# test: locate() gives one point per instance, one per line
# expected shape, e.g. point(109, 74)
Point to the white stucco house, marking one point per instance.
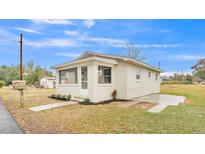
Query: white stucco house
point(48, 82)
point(97, 75)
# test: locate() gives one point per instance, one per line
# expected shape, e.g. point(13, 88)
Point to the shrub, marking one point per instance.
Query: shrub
point(1, 84)
point(114, 94)
point(69, 97)
point(86, 100)
point(52, 96)
point(60, 97)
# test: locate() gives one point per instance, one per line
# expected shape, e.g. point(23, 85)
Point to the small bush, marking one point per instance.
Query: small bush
point(69, 97)
point(52, 96)
point(114, 94)
point(86, 100)
point(60, 97)
point(1, 84)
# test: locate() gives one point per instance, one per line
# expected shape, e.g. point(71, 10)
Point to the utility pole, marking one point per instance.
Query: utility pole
point(20, 85)
point(21, 57)
point(159, 65)
point(177, 74)
point(182, 75)
point(21, 69)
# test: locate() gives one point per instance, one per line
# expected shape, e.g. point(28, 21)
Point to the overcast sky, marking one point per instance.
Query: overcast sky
point(177, 44)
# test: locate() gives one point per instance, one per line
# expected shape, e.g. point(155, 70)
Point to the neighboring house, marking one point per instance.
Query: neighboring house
point(48, 82)
point(96, 76)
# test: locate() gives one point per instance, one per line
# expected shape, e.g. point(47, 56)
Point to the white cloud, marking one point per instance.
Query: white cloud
point(112, 42)
point(189, 57)
point(88, 23)
point(71, 33)
point(7, 37)
point(50, 42)
point(69, 54)
point(106, 41)
point(158, 45)
point(52, 21)
point(183, 57)
point(27, 30)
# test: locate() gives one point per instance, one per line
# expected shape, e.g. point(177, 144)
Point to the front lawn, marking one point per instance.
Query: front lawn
point(109, 118)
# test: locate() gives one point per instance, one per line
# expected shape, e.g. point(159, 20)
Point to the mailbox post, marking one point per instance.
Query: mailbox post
point(20, 85)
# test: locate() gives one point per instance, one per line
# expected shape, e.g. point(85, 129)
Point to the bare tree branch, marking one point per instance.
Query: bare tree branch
point(134, 52)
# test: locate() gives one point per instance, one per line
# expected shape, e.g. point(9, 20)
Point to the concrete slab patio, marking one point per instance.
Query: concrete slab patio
point(52, 106)
point(8, 125)
point(161, 101)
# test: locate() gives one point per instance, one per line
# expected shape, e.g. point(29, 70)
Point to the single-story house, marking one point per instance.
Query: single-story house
point(48, 82)
point(96, 75)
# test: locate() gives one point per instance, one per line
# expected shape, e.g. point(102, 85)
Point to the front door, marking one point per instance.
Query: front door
point(84, 81)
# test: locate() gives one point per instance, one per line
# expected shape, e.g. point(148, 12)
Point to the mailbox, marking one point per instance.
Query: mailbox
point(19, 85)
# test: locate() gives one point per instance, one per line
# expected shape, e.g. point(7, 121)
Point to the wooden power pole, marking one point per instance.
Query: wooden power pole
point(20, 85)
point(159, 65)
point(21, 56)
point(21, 68)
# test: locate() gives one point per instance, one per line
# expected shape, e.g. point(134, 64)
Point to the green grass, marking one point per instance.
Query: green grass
point(111, 118)
point(185, 118)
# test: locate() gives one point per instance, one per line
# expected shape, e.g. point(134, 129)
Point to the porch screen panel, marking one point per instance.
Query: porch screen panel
point(68, 76)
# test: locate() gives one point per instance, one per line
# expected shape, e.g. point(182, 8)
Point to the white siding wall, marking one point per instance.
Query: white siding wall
point(146, 85)
point(123, 79)
point(102, 92)
point(47, 83)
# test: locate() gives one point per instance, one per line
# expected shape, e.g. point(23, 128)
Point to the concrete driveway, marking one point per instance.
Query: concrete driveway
point(8, 124)
point(161, 101)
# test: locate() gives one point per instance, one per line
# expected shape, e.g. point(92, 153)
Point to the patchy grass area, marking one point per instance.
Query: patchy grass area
point(109, 118)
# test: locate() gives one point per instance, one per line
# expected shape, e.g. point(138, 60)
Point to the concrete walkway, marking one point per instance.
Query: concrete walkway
point(8, 124)
point(52, 106)
point(162, 101)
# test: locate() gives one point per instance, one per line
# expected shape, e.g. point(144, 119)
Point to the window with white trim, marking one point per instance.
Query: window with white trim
point(138, 74)
point(104, 75)
point(149, 74)
point(68, 76)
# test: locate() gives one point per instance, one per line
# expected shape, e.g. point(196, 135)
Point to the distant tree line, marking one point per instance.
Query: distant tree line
point(197, 76)
point(32, 73)
point(178, 79)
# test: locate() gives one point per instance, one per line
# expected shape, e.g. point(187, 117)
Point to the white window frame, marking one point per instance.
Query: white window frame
point(105, 83)
point(149, 75)
point(138, 72)
point(76, 78)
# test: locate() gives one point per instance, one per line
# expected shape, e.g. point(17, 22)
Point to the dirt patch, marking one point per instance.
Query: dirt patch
point(188, 101)
point(144, 105)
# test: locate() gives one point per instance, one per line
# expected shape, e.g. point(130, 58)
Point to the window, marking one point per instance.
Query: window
point(68, 76)
point(138, 74)
point(149, 74)
point(104, 74)
point(156, 76)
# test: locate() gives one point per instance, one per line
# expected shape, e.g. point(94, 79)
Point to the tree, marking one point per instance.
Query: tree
point(32, 73)
point(9, 73)
point(134, 52)
point(199, 69)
